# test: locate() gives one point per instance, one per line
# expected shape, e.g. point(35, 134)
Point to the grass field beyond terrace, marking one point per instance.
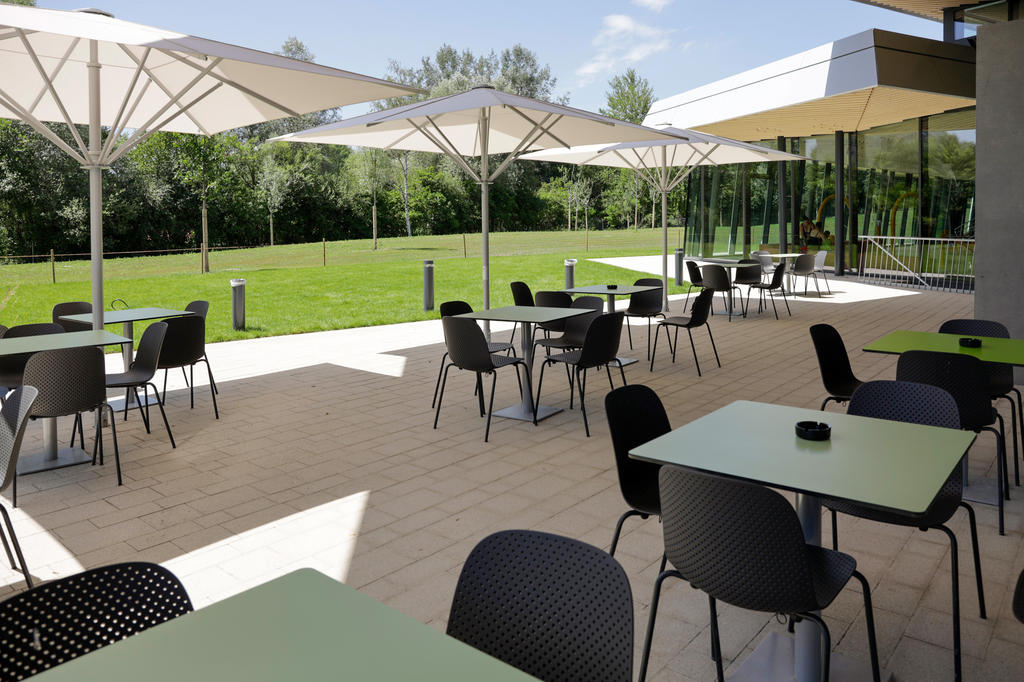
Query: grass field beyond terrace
point(289, 290)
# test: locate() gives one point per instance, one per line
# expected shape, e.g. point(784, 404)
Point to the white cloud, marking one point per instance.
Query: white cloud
point(653, 5)
point(622, 40)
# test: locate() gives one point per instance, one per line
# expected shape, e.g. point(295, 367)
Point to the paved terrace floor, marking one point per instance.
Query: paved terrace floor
point(324, 456)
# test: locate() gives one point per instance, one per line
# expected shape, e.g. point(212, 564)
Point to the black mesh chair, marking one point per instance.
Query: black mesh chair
point(775, 284)
point(696, 280)
point(698, 318)
point(555, 608)
point(717, 279)
point(645, 304)
point(13, 418)
point(575, 327)
point(834, 364)
point(467, 349)
point(1000, 376)
point(748, 277)
point(804, 267)
point(742, 543)
point(552, 299)
point(521, 296)
point(185, 346)
point(930, 405)
point(200, 308)
point(1018, 598)
point(140, 375)
point(963, 377)
point(13, 366)
point(71, 381)
point(72, 308)
point(459, 308)
point(69, 617)
point(767, 264)
point(635, 416)
point(600, 346)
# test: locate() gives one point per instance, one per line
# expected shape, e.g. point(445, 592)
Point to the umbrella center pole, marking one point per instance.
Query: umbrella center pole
point(95, 186)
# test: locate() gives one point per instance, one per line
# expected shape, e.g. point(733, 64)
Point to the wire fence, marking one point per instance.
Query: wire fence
point(917, 262)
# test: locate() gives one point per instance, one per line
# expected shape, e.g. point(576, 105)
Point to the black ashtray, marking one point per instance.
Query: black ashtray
point(613, 286)
point(813, 430)
point(970, 342)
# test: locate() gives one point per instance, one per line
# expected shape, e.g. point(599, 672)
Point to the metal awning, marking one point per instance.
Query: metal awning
point(866, 80)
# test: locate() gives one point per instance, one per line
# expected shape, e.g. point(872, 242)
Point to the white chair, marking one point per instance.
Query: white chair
point(819, 266)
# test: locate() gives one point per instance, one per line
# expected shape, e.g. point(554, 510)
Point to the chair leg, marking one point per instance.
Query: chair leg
point(1013, 431)
point(583, 404)
point(186, 377)
point(716, 641)
point(869, 616)
point(629, 334)
point(440, 397)
point(608, 371)
point(145, 416)
point(1020, 424)
point(786, 300)
point(212, 382)
point(771, 294)
point(622, 371)
point(655, 351)
point(490, 406)
point(673, 344)
point(953, 564)
point(191, 387)
point(694, 349)
point(826, 281)
point(618, 527)
point(540, 382)
point(713, 347)
point(17, 546)
point(437, 385)
point(160, 404)
point(480, 393)
point(1006, 471)
point(512, 338)
point(649, 636)
point(127, 400)
point(113, 436)
point(649, 337)
point(977, 557)
point(835, 530)
point(213, 387)
point(165, 385)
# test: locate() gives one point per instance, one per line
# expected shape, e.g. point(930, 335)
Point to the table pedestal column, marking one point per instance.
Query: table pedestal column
point(52, 456)
point(524, 410)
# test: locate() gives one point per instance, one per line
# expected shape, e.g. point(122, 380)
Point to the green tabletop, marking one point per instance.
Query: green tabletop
point(525, 313)
point(885, 464)
point(41, 342)
point(302, 626)
point(128, 315)
point(1008, 351)
point(605, 290)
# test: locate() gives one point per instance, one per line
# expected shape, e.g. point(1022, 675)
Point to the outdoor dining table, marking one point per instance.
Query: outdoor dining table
point(53, 457)
point(610, 291)
point(526, 316)
point(301, 626)
point(875, 462)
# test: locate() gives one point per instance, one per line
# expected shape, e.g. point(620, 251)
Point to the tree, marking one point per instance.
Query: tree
point(373, 170)
point(630, 97)
point(272, 186)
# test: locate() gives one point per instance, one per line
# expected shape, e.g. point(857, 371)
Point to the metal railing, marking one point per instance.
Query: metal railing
point(917, 262)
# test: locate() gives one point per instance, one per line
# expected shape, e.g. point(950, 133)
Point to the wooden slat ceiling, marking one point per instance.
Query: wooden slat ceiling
point(926, 9)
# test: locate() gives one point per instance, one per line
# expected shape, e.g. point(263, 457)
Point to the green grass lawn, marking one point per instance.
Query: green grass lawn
point(290, 291)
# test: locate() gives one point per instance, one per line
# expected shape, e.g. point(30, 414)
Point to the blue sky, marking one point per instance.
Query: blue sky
point(675, 44)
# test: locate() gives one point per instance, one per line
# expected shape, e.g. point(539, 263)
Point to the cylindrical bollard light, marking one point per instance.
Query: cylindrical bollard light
point(570, 273)
point(428, 285)
point(680, 255)
point(238, 304)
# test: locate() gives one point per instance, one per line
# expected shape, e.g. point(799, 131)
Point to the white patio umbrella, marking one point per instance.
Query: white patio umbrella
point(478, 122)
point(664, 163)
point(86, 67)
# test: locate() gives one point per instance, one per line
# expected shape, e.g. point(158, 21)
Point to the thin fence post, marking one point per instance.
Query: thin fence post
point(53, 268)
point(464, 245)
point(325, 252)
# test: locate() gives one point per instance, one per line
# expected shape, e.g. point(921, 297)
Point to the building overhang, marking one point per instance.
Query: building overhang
point(866, 80)
point(925, 9)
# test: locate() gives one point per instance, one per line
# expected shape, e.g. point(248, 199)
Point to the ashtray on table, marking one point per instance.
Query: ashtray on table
point(811, 430)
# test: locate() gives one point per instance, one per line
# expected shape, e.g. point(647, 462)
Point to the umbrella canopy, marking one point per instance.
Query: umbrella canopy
point(86, 67)
point(473, 123)
point(665, 163)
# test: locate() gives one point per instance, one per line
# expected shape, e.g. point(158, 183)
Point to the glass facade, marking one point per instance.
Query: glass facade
point(913, 179)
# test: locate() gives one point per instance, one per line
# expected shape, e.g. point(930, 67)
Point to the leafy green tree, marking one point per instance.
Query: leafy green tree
point(629, 98)
point(373, 169)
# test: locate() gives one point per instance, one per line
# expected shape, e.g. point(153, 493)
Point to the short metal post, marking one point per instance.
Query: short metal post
point(428, 285)
point(238, 304)
point(680, 255)
point(570, 273)
point(53, 268)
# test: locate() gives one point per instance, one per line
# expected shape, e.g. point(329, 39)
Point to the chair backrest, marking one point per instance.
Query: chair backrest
point(72, 308)
point(14, 416)
point(636, 416)
point(69, 617)
point(590, 302)
point(1000, 375)
point(601, 344)
point(184, 343)
point(34, 329)
point(765, 258)
point(694, 273)
point(715, 277)
point(750, 275)
point(199, 308)
point(554, 607)
point(804, 264)
point(521, 294)
point(833, 360)
point(454, 308)
point(3, 330)
point(148, 355)
point(69, 380)
point(466, 344)
point(778, 275)
point(962, 376)
point(646, 302)
point(1018, 598)
point(819, 260)
point(737, 541)
point(553, 299)
point(701, 308)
